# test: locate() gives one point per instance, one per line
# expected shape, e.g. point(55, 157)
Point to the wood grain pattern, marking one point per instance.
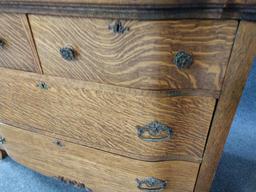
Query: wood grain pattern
point(141, 58)
point(105, 117)
point(241, 59)
point(99, 171)
point(30, 38)
point(141, 2)
point(142, 10)
point(17, 53)
point(138, 12)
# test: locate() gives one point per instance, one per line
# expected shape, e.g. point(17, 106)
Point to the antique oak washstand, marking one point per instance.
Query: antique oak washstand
point(123, 96)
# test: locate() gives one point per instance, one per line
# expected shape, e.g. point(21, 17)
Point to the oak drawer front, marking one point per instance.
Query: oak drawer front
point(15, 49)
point(109, 118)
point(97, 170)
point(105, 51)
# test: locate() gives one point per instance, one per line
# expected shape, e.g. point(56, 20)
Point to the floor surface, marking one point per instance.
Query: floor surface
point(236, 172)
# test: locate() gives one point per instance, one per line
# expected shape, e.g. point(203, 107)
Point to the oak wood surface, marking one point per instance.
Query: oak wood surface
point(26, 25)
point(16, 53)
point(141, 58)
point(141, 2)
point(99, 171)
point(241, 59)
point(142, 10)
point(105, 117)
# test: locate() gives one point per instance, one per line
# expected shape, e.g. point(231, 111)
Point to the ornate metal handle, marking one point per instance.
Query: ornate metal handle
point(2, 43)
point(117, 27)
point(42, 85)
point(183, 60)
point(2, 140)
point(151, 184)
point(154, 132)
point(68, 53)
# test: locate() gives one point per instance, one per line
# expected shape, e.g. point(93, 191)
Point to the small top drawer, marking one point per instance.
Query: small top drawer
point(184, 54)
point(15, 49)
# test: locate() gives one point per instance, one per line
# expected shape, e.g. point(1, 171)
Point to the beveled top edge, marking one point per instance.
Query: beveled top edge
point(201, 3)
point(137, 9)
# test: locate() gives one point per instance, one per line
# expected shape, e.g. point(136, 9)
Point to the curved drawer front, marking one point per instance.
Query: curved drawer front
point(93, 169)
point(140, 124)
point(137, 54)
point(15, 49)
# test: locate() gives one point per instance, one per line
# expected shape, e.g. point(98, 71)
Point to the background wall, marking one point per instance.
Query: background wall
point(236, 172)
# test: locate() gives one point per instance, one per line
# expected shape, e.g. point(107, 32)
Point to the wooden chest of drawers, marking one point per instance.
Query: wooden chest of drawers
point(122, 96)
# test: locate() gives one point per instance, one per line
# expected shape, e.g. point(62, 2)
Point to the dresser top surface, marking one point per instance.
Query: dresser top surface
point(137, 9)
point(142, 2)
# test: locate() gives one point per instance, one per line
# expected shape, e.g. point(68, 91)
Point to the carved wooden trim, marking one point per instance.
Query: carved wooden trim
point(141, 11)
point(240, 62)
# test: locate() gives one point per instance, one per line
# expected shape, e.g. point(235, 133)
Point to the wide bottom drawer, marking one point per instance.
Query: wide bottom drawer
point(97, 170)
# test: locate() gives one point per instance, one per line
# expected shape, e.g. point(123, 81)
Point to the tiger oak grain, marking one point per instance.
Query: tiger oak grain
point(140, 58)
point(17, 52)
point(105, 117)
point(99, 171)
point(241, 60)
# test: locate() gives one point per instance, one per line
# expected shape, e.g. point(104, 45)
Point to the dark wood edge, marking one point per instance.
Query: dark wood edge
point(140, 12)
point(244, 51)
point(131, 4)
point(3, 154)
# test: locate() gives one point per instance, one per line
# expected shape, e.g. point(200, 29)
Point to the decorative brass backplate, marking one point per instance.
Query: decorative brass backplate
point(151, 184)
point(67, 53)
point(154, 132)
point(183, 60)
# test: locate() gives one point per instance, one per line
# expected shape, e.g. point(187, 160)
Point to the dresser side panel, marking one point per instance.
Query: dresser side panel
point(244, 51)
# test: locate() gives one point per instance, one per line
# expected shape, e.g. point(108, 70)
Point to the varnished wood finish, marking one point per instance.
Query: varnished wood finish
point(176, 3)
point(85, 133)
point(30, 38)
point(99, 171)
point(143, 10)
point(141, 58)
point(241, 59)
point(106, 117)
point(17, 53)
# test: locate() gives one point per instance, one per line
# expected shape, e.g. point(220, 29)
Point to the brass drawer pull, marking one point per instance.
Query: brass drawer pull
point(67, 53)
point(183, 60)
point(151, 184)
point(154, 132)
point(2, 140)
point(2, 43)
point(42, 85)
point(117, 27)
